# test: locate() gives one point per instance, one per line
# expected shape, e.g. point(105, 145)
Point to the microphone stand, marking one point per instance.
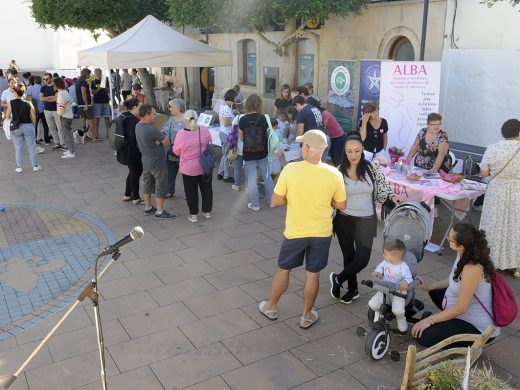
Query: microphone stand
point(91, 292)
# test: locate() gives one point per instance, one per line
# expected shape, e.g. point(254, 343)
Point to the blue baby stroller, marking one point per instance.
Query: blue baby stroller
point(410, 223)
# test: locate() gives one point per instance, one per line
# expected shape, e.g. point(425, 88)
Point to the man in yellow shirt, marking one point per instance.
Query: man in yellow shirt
point(311, 189)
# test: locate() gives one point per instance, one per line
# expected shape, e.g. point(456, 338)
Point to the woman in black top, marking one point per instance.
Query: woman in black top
point(133, 154)
point(283, 100)
point(373, 131)
point(24, 115)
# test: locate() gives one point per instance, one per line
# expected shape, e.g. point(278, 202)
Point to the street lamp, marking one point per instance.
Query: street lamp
point(424, 24)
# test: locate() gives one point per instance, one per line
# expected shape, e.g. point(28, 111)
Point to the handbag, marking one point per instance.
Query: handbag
point(504, 304)
point(232, 154)
point(7, 128)
point(207, 158)
point(15, 123)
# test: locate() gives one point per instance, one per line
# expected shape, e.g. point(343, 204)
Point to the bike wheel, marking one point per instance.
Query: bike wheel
point(377, 344)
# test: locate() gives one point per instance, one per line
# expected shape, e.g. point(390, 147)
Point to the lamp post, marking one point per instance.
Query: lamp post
point(424, 25)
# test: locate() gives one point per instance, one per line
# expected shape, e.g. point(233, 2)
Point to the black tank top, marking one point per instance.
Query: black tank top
point(21, 111)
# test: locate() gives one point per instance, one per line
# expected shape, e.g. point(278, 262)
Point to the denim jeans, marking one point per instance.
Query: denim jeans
point(223, 168)
point(239, 162)
point(337, 149)
point(66, 124)
point(25, 135)
point(252, 184)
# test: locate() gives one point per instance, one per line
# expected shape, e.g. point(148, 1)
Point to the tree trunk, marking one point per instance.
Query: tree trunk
point(288, 71)
point(146, 80)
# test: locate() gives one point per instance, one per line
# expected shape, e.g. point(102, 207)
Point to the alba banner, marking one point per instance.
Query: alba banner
point(409, 92)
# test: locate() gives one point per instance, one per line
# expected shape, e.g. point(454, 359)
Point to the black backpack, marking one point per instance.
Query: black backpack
point(120, 141)
point(255, 137)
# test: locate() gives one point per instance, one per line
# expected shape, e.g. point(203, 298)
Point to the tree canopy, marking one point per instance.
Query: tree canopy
point(489, 3)
point(113, 16)
point(235, 15)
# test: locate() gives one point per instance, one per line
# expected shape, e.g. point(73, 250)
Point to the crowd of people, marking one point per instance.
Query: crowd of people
point(321, 197)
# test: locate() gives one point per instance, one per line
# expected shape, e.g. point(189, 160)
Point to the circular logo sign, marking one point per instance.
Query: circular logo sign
point(372, 81)
point(340, 80)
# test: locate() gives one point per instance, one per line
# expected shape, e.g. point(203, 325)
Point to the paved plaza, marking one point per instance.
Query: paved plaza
point(179, 307)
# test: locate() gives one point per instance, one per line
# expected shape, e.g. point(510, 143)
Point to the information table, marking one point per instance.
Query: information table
point(457, 197)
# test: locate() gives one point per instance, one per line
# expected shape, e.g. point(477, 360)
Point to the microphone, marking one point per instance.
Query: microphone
point(135, 234)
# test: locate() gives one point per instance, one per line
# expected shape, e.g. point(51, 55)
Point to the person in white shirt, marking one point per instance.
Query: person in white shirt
point(64, 109)
point(225, 116)
point(394, 270)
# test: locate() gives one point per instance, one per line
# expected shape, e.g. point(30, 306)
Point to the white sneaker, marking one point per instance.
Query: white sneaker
point(69, 155)
point(40, 150)
point(235, 187)
point(18, 169)
point(402, 325)
point(206, 215)
point(193, 218)
point(37, 168)
point(250, 205)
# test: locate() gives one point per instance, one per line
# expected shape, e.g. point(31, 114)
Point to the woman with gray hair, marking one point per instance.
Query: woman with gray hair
point(172, 126)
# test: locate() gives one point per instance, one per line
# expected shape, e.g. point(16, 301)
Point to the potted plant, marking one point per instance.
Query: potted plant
point(395, 153)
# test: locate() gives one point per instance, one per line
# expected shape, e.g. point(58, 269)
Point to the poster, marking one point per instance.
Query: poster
point(251, 69)
point(409, 92)
point(341, 87)
point(369, 84)
point(306, 69)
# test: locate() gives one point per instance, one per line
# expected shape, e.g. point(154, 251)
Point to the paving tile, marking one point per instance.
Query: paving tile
point(202, 251)
point(261, 343)
point(335, 380)
point(70, 373)
point(246, 229)
point(218, 327)
point(213, 384)
point(235, 276)
point(250, 241)
point(268, 251)
point(125, 305)
point(215, 236)
point(11, 359)
point(281, 371)
point(157, 319)
point(234, 259)
point(332, 352)
point(84, 340)
point(180, 291)
point(125, 286)
point(149, 349)
point(141, 378)
point(182, 272)
point(261, 289)
point(19, 384)
point(375, 374)
point(152, 263)
point(219, 302)
point(505, 353)
point(194, 367)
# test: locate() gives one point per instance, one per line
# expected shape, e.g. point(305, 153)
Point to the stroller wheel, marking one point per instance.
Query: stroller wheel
point(377, 344)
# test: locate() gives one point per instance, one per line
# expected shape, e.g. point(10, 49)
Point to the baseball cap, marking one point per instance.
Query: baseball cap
point(316, 139)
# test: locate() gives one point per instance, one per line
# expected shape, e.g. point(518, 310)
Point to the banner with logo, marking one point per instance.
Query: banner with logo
point(340, 100)
point(369, 84)
point(409, 92)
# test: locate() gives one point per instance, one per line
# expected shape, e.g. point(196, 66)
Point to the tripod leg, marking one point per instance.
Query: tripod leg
point(101, 346)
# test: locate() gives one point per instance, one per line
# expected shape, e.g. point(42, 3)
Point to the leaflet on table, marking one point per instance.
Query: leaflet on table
point(292, 152)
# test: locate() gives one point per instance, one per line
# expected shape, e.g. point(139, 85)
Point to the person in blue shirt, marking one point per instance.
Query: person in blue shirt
point(36, 83)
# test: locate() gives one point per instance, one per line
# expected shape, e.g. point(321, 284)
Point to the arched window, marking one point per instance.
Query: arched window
point(402, 50)
point(246, 51)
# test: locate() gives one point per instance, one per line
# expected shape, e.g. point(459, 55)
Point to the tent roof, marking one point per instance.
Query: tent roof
point(151, 43)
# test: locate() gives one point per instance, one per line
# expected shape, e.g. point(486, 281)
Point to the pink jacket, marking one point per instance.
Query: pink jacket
point(186, 146)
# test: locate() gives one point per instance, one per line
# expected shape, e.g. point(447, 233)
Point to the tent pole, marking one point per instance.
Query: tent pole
point(186, 85)
point(112, 98)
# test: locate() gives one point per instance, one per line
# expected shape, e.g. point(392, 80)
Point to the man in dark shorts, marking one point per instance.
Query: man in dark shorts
point(86, 111)
point(308, 224)
point(151, 142)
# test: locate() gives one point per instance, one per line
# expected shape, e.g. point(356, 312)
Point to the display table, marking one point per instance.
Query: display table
point(457, 197)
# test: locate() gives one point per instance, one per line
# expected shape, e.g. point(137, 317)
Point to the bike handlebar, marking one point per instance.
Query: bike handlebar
point(384, 287)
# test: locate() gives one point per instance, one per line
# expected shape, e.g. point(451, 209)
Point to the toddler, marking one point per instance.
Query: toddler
point(393, 269)
point(291, 117)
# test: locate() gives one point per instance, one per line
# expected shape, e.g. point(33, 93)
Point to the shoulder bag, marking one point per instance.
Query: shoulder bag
point(207, 158)
point(505, 166)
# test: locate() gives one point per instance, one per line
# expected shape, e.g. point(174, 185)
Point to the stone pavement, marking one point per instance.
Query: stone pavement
point(179, 308)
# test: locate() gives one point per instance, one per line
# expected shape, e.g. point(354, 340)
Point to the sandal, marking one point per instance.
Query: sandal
point(271, 314)
point(306, 323)
point(127, 198)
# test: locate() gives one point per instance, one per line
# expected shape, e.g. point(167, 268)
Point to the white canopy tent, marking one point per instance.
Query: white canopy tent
point(151, 43)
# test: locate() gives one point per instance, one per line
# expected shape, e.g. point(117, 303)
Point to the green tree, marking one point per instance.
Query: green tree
point(489, 3)
point(112, 16)
point(260, 16)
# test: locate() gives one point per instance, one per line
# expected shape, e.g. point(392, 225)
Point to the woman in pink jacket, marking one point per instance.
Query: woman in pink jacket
point(188, 144)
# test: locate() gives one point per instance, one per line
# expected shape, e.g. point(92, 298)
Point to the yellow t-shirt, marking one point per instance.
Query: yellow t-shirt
point(309, 189)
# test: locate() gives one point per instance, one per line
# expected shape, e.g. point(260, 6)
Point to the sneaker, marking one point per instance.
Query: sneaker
point(150, 211)
point(138, 202)
point(220, 177)
point(234, 187)
point(206, 215)
point(250, 205)
point(64, 148)
point(165, 215)
point(193, 218)
point(349, 296)
point(97, 139)
point(56, 147)
point(402, 325)
point(334, 285)
point(127, 198)
point(69, 155)
point(37, 168)
point(18, 169)
point(48, 143)
point(87, 138)
point(40, 150)
point(228, 180)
